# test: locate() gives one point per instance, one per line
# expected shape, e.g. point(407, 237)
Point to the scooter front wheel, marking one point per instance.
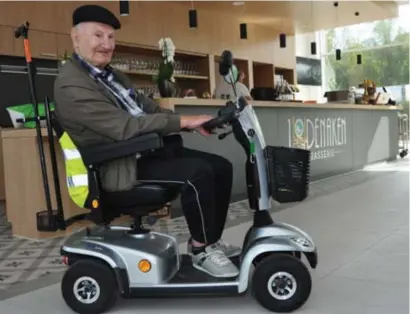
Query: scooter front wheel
point(281, 283)
point(89, 287)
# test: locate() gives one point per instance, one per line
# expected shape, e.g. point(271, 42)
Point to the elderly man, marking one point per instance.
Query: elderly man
point(97, 104)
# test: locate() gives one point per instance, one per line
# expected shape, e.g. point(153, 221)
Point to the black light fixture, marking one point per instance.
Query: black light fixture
point(338, 54)
point(124, 7)
point(193, 18)
point(359, 59)
point(243, 31)
point(338, 51)
point(282, 40)
point(313, 49)
point(313, 46)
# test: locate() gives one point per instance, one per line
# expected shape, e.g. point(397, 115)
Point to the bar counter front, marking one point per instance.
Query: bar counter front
point(341, 137)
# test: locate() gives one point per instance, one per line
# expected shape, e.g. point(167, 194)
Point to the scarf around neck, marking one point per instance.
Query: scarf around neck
point(126, 97)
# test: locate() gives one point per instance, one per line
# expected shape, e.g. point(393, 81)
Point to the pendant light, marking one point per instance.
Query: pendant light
point(243, 27)
point(282, 37)
point(124, 7)
point(193, 17)
point(282, 40)
point(313, 48)
point(243, 30)
point(338, 54)
point(338, 51)
point(359, 56)
point(193, 20)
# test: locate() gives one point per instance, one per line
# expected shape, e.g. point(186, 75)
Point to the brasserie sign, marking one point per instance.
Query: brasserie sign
point(325, 137)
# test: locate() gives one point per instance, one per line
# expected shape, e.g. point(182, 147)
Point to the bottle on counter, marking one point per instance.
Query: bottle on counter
point(352, 95)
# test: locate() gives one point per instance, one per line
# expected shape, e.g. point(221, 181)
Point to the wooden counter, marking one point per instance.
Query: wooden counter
point(170, 103)
point(24, 183)
point(24, 190)
point(341, 137)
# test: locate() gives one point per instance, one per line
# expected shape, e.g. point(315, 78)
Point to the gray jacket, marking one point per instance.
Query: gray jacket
point(90, 115)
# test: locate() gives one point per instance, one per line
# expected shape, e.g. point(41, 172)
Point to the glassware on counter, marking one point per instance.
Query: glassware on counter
point(285, 90)
point(153, 91)
point(151, 65)
point(148, 90)
point(120, 64)
point(185, 68)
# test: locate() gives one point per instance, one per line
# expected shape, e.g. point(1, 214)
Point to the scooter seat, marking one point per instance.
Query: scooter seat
point(141, 199)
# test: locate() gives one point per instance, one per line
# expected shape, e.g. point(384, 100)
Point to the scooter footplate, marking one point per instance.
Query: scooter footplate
point(188, 274)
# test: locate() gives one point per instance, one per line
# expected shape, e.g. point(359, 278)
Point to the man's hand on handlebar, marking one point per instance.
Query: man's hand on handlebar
point(195, 123)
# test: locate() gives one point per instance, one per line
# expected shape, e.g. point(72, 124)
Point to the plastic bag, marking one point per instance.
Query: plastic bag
point(27, 111)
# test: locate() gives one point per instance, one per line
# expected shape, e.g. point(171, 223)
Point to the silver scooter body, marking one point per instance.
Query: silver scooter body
point(171, 272)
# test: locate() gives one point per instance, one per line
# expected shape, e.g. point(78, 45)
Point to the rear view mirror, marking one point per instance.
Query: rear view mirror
point(225, 63)
point(227, 69)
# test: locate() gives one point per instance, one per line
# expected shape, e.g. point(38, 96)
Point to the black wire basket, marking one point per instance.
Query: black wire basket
point(288, 170)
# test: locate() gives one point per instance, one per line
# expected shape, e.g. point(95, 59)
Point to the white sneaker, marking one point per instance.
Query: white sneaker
point(228, 249)
point(214, 263)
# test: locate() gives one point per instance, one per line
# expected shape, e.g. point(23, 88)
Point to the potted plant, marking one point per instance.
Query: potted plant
point(165, 79)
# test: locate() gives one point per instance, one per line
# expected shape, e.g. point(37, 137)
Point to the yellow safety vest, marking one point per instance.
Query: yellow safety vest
point(76, 171)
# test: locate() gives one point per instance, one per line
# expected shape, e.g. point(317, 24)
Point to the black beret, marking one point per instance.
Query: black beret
point(95, 13)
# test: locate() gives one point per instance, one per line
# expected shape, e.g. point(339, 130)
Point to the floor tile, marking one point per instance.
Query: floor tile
point(52, 262)
point(10, 277)
point(26, 253)
point(348, 230)
point(40, 273)
point(13, 264)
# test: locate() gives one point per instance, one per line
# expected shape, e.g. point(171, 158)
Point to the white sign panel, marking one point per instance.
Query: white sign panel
point(325, 137)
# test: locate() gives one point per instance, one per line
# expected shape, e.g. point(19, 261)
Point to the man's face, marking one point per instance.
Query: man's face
point(94, 42)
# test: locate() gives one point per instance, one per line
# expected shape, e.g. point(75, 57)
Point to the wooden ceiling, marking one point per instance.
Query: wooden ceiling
point(300, 16)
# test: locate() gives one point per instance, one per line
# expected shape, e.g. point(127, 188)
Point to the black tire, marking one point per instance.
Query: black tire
point(105, 279)
point(273, 264)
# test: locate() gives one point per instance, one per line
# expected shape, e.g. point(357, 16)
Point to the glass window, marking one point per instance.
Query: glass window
point(384, 49)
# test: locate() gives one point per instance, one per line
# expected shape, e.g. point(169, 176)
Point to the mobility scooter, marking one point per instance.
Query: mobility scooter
point(106, 261)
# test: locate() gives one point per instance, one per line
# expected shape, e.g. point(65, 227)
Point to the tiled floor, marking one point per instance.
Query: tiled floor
point(23, 261)
point(360, 223)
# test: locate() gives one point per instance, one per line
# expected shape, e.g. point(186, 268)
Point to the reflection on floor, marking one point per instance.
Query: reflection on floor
point(24, 260)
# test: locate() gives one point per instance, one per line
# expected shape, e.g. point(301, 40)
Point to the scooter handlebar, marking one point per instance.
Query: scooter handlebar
point(217, 122)
point(225, 116)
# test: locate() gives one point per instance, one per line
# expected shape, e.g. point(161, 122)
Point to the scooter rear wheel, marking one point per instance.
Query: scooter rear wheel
point(89, 287)
point(281, 283)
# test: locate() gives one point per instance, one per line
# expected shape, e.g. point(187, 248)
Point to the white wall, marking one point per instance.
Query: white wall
point(302, 49)
point(285, 57)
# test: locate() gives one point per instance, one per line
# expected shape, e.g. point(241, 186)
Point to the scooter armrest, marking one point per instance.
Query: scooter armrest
point(98, 154)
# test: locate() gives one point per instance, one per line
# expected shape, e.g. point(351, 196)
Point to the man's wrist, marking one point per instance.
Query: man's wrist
point(183, 122)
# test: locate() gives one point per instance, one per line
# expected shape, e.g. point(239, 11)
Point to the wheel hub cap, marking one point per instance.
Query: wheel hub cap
point(86, 290)
point(282, 285)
